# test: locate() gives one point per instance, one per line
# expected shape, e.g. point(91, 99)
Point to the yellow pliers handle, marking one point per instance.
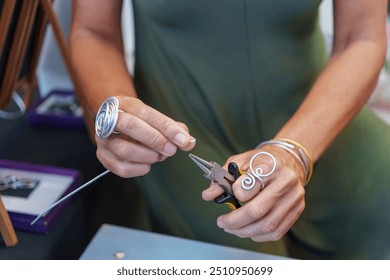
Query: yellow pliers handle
point(228, 198)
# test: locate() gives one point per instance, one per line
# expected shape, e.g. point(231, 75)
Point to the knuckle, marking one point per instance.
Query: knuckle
point(299, 209)
point(166, 126)
point(248, 233)
point(156, 141)
point(121, 171)
point(99, 154)
point(100, 143)
point(269, 226)
point(127, 125)
point(123, 150)
point(246, 195)
point(256, 212)
point(137, 106)
point(239, 193)
point(300, 192)
point(243, 235)
point(290, 175)
point(154, 157)
point(256, 238)
point(303, 206)
point(277, 235)
point(298, 197)
point(236, 233)
point(144, 112)
point(131, 171)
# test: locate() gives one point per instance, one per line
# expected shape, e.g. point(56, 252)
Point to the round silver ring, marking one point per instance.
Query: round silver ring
point(107, 117)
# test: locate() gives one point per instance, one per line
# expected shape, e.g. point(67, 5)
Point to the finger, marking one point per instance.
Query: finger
point(284, 186)
point(165, 125)
point(252, 211)
point(212, 192)
point(142, 132)
point(241, 161)
point(192, 142)
point(283, 227)
point(122, 168)
point(272, 221)
point(132, 151)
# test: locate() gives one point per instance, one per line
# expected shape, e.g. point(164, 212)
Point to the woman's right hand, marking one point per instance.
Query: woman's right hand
point(143, 136)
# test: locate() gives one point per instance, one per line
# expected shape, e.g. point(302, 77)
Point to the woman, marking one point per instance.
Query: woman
point(234, 74)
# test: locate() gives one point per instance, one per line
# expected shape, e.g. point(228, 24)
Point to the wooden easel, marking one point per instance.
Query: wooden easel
point(41, 13)
point(6, 229)
point(30, 12)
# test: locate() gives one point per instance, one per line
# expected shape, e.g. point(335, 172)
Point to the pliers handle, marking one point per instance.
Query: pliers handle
point(224, 178)
point(228, 198)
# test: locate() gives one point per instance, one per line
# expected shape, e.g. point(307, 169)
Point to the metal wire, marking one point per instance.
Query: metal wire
point(249, 180)
point(106, 118)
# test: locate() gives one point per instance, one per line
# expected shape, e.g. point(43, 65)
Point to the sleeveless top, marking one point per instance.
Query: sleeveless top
point(234, 71)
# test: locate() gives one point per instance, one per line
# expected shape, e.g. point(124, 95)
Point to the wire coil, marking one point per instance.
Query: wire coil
point(252, 174)
point(106, 118)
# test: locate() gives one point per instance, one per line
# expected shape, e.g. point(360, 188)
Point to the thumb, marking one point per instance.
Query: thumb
point(212, 192)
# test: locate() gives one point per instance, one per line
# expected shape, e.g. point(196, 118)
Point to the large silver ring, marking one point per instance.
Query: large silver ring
point(252, 174)
point(107, 117)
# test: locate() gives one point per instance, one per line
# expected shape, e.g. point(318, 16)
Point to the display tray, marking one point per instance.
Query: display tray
point(29, 189)
point(58, 109)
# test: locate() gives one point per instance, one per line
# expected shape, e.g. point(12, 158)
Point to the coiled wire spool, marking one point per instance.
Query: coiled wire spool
point(107, 117)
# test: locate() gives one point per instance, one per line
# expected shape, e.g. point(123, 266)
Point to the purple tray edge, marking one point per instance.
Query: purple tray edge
point(22, 221)
point(39, 120)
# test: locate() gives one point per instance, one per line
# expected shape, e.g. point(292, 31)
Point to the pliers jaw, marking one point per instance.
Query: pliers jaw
point(214, 172)
point(205, 165)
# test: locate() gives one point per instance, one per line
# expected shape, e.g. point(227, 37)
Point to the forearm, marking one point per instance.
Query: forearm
point(100, 66)
point(337, 96)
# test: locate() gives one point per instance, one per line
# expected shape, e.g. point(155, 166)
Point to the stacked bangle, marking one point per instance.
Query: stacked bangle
point(296, 150)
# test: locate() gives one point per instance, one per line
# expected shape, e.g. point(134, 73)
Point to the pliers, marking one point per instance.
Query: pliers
point(224, 178)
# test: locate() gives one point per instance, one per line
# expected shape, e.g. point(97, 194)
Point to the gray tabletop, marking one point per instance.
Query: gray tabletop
point(114, 242)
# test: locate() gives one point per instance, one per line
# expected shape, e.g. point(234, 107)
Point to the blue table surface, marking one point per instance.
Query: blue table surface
point(115, 242)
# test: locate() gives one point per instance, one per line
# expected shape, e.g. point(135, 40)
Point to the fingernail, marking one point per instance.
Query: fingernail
point(192, 139)
point(180, 139)
point(170, 149)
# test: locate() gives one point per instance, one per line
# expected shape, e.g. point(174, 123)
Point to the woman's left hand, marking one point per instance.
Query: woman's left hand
point(269, 213)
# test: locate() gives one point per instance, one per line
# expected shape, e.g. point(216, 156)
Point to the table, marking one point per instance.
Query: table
point(116, 242)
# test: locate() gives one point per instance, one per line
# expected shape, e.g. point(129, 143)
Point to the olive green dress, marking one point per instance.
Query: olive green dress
point(235, 71)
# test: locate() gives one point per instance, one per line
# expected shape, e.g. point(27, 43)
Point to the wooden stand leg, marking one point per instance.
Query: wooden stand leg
point(6, 228)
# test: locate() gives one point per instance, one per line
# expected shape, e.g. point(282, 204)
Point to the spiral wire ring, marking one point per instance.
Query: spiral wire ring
point(252, 174)
point(107, 117)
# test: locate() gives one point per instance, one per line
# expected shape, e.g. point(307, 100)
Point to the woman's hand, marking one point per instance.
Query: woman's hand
point(269, 213)
point(143, 136)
